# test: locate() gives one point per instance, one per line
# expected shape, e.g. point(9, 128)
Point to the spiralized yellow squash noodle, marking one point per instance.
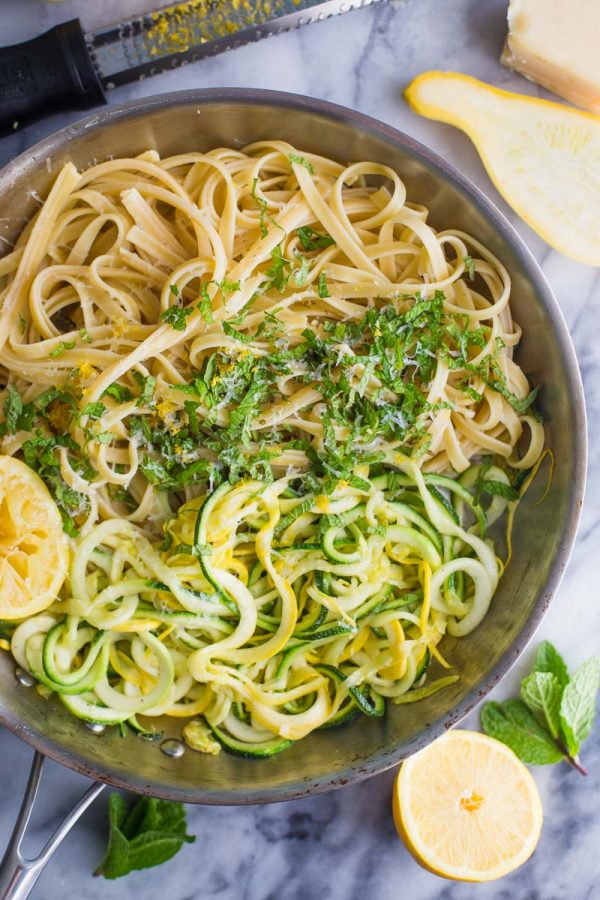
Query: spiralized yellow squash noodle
point(278, 412)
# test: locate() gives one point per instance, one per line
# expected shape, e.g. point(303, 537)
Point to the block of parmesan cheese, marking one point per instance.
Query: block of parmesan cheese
point(557, 44)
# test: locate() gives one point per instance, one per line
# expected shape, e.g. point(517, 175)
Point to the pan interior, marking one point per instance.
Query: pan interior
point(543, 536)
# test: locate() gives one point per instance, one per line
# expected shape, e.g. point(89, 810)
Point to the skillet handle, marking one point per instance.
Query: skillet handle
point(18, 874)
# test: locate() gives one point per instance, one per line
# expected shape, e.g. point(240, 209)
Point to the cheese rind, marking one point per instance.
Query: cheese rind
point(556, 43)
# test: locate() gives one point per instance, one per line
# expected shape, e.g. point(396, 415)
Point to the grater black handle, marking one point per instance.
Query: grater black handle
point(50, 73)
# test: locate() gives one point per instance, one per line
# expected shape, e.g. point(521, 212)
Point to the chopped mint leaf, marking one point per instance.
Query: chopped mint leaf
point(313, 240)
point(469, 266)
point(541, 692)
point(118, 392)
point(300, 273)
point(13, 407)
point(176, 316)
point(322, 289)
point(264, 211)
point(279, 272)
point(94, 410)
point(147, 385)
point(302, 161)
point(498, 489)
point(61, 347)
point(228, 287)
point(205, 305)
point(237, 335)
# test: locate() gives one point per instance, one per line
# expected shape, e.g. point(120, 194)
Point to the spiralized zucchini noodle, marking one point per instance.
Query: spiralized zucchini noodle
point(279, 413)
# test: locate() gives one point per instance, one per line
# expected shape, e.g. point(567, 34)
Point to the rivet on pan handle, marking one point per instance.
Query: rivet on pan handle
point(18, 874)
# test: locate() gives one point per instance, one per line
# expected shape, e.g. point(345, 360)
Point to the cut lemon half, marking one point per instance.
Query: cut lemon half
point(467, 808)
point(34, 550)
point(543, 157)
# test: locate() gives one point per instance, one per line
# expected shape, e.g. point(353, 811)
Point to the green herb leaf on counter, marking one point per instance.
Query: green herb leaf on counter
point(228, 288)
point(515, 725)
point(548, 659)
point(143, 834)
point(541, 692)
point(13, 407)
point(578, 705)
point(554, 715)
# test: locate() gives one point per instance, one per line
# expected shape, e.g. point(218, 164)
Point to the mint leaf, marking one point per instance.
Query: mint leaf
point(322, 289)
point(578, 704)
point(228, 288)
point(147, 384)
point(118, 392)
point(94, 410)
point(13, 407)
point(313, 240)
point(548, 659)
point(499, 489)
point(541, 692)
point(143, 835)
point(176, 316)
point(205, 305)
point(302, 161)
point(515, 725)
point(61, 347)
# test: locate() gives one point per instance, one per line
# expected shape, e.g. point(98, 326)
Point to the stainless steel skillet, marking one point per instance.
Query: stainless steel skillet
point(543, 536)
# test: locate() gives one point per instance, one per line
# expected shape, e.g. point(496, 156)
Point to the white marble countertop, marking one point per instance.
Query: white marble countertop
point(343, 846)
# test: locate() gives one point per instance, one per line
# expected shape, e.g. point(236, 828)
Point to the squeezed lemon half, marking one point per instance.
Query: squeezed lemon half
point(467, 808)
point(34, 550)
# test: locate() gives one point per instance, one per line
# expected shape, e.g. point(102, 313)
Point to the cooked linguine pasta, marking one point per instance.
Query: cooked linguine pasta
point(278, 412)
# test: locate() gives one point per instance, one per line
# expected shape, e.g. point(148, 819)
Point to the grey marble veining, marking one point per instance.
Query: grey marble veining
point(343, 846)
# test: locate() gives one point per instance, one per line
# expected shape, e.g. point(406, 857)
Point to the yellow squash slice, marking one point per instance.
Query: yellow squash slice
point(544, 158)
point(34, 550)
point(467, 808)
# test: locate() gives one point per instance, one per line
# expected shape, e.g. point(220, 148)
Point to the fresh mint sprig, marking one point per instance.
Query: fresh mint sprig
point(142, 835)
point(554, 715)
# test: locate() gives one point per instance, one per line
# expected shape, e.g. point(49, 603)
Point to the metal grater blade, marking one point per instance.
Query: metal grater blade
point(188, 31)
